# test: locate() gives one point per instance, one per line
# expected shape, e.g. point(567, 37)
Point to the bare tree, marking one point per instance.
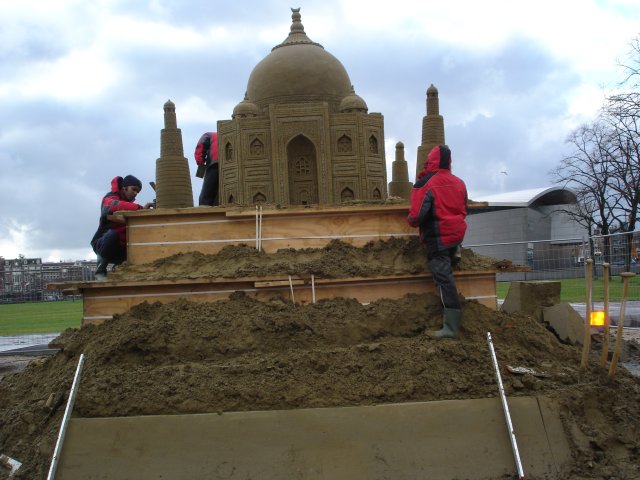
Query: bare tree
point(604, 166)
point(587, 170)
point(622, 113)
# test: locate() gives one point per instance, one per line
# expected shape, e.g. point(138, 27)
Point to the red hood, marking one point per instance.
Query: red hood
point(115, 184)
point(439, 158)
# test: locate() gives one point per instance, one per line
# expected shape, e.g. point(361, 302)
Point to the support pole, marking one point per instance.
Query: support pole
point(505, 408)
point(605, 341)
point(65, 419)
point(587, 321)
point(626, 276)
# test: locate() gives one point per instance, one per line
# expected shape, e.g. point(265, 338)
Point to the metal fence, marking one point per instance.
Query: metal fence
point(566, 259)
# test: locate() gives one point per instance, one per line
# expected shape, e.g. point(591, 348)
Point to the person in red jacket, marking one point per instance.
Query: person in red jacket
point(439, 208)
point(206, 155)
point(110, 240)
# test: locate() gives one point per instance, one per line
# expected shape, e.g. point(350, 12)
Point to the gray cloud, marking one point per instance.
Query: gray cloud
point(506, 104)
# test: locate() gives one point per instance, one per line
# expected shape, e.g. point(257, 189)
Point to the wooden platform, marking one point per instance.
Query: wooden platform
point(101, 300)
point(155, 234)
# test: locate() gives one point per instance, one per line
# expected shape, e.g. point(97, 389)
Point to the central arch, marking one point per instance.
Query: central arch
point(303, 179)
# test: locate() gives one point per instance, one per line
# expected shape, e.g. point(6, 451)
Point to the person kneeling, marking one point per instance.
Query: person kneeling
point(110, 240)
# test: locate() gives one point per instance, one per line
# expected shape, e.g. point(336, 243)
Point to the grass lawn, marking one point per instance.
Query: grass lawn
point(39, 317)
point(574, 289)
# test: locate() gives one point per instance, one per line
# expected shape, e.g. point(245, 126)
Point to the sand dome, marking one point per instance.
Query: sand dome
point(353, 103)
point(245, 109)
point(298, 69)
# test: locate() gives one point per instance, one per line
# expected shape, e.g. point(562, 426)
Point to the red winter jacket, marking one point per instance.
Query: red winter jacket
point(111, 203)
point(207, 149)
point(439, 203)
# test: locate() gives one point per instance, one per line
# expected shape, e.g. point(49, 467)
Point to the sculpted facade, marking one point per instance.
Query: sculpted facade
point(301, 135)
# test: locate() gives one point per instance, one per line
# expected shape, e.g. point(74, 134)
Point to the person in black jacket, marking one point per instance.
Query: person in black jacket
point(206, 155)
point(110, 240)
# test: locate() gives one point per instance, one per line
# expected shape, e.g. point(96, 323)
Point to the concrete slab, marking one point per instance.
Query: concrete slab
point(435, 440)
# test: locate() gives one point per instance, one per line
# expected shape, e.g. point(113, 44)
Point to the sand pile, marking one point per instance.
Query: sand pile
point(337, 259)
point(243, 354)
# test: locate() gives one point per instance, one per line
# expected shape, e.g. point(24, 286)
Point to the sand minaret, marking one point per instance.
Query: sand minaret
point(432, 128)
point(173, 179)
point(400, 186)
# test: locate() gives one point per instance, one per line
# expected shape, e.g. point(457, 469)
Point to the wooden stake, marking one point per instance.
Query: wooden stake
point(623, 306)
point(587, 324)
point(605, 340)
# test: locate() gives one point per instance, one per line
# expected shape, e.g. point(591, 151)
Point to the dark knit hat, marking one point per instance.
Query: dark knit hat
point(131, 181)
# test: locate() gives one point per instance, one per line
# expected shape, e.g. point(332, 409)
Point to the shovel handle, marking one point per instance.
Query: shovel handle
point(587, 322)
point(623, 306)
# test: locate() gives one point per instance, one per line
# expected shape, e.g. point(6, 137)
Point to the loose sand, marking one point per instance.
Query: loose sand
point(242, 354)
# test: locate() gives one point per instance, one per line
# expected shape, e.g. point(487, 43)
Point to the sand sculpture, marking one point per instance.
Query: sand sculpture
point(173, 180)
point(432, 128)
point(400, 186)
point(301, 135)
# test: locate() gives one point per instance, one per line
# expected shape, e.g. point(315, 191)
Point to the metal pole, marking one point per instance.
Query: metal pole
point(505, 407)
point(65, 419)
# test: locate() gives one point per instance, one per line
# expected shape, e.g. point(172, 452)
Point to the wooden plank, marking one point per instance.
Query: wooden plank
point(278, 283)
point(104, 299)
point(291, 228)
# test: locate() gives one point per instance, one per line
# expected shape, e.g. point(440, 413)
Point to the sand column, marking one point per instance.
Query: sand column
point(173, 179)
point(432, 128)
point(400, 186)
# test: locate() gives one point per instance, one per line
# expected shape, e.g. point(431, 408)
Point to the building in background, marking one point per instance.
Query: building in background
point(25, 279)
point(530, 228)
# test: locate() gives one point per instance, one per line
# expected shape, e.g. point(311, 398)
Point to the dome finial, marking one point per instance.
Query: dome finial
point(296, 23)
point(296, 35)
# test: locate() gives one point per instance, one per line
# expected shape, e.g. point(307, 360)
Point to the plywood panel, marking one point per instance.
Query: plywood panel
point(151, 238)
point(104, 299)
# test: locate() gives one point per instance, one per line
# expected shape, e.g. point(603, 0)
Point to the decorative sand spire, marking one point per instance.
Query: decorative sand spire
point(296, 35)
point(173, 179)
point(400, 186)
point(432, 128)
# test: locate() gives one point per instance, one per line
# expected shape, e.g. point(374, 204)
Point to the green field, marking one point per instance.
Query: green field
point(574, 289)
point(39, 317)
point(53, 317)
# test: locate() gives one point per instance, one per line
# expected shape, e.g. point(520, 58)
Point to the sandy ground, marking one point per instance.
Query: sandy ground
point(336, 260)
point(242, 354)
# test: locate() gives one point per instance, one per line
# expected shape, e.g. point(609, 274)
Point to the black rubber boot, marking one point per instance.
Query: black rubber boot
point(451, 321)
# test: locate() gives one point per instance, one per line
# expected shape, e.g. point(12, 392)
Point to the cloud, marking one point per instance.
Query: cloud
point(83, 84)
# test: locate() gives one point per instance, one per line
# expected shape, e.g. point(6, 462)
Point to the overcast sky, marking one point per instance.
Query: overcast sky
point(83, 83)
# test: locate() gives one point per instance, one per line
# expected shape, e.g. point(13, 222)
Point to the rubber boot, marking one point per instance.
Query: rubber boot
point(451, 321)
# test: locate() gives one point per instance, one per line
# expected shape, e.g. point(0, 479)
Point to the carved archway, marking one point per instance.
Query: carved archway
point(303, 177)
point(228, 152)
point(347, 195)
point(345, 145)
point(259, 198)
